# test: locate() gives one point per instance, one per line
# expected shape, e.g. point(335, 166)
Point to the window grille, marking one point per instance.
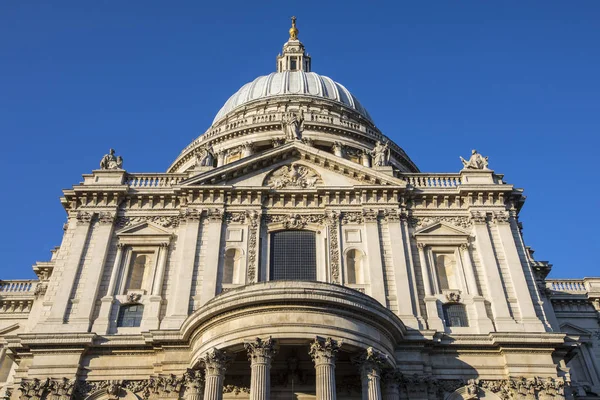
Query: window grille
point(293, 256)
point(455, 315)
point(130, 315)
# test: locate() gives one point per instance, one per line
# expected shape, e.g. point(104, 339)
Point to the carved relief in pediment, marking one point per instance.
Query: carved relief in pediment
point(293, 176)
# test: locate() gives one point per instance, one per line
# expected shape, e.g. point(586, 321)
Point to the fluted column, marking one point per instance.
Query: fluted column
point(260, 353)
point(194, 384)
point(370, 364)
point(390, 389)
point(323, 353)
point(215, 363)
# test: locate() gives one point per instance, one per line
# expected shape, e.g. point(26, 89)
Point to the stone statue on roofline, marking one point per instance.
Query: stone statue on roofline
point(381, 154)
point(476, 161)
point(206, 158)
point(293, 125)
point(110, 161)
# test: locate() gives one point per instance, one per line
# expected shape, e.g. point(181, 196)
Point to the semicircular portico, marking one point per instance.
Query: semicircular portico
point(292, 312)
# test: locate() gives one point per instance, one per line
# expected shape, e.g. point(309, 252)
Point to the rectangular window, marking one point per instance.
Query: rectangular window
point(455, 315)
point(293, 65)
point(130, 316)
point(293, 256)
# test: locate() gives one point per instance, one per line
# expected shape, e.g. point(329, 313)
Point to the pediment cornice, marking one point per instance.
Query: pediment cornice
point(294, 151)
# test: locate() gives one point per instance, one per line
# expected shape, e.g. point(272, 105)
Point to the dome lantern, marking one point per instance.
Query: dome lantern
point(294, 56)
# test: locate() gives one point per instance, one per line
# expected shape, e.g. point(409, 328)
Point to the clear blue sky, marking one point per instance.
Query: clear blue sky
point(519, 81)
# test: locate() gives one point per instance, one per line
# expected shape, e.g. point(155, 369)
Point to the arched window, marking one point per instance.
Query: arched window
point(293, 255)
point(445, 267)
point(130, 315)
point(231, 265)
point(455, 315)
point(354, 266)
point(138, 271)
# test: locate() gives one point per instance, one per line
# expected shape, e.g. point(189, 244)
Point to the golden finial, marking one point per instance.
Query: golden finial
point(293, 30)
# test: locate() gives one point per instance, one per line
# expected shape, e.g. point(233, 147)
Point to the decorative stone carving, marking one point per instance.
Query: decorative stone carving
point(235, 389)
point(237, 217)
point(391, 215)
point(294, 221)
point(164, 221)
point(134, 297)
point(84, 217)
point(323, 350)
point(109, 161)
point(106, 217)
point(476, 161)
point(40, 289)
point(453, 296)
point(276, 142)
point(370, 215)
point(501, 217)
point(338, 149)
point(205, 156)
point(381, 154)
point(308, 141)
point(260, 348)
point(478, 217)
point(352, 217)
point(332, 219)
point(193, 381)
point(215, 214)
point(295, 176)
point(293, 125)
point(254, 220)
point(464, 222)
point(34, 389)
point(215, 361)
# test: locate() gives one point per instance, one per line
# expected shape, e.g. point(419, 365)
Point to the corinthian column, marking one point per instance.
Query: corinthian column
point(194, 384)
point(215, 362)
point(260, 353)
point(323, 352)
point(370, 364)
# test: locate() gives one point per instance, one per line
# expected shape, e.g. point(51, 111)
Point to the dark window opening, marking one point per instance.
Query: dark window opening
point(455, 315)
point(293, 256)
point(130, 316)
point(293, 66)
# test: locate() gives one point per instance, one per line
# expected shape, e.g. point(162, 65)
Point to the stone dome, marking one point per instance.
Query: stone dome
point(291, 83)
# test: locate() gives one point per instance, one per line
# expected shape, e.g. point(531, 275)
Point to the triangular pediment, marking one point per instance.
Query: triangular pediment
point(322, 169)
point(573, 330)
point(442, 228)
point(145, 228)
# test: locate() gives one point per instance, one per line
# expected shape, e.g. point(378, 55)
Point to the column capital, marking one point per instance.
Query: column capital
point(323, 351)
point(421, 246)
point(371, 361)
point(193, 380)
point(260, 350)
point(215, 361)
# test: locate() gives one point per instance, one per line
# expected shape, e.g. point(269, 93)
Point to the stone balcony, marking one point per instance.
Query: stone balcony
point(16, 297)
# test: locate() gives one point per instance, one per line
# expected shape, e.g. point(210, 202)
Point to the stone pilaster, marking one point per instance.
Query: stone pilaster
point(211, 258)
point(370, 364)
point(375, 266)
point(215, 363)
point(323, 353)
point(194, 384)
point(260, 353)
point(188, 236)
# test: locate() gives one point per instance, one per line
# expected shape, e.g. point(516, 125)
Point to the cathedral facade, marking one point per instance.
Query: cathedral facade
point(293, 251)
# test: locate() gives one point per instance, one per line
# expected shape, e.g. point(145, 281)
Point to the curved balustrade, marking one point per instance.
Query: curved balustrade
point(154, 180)
point(432, 180)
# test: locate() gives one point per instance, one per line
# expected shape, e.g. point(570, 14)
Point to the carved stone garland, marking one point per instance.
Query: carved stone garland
point(253, 226)
point(332, 221)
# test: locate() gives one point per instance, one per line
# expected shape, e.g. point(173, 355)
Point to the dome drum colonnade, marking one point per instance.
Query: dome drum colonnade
point(334, 318)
